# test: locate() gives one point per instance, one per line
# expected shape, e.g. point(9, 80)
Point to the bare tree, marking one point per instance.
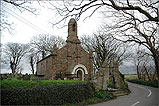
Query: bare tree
point(14, 52)
point(33, 58)
point(104, 48)
point(144, 64)
point(42, 46)
point(137, 60)
point(87, 42)
point(135, 21)
point(44, 43)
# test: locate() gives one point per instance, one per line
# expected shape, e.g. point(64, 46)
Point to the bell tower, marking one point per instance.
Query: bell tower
point(72, 27)
point(72, 32)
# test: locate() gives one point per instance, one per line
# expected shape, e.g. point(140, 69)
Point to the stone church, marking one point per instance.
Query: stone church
point(68, 62)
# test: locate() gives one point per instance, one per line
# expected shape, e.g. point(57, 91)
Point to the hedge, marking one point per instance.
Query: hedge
point(147, 83)
point(48, 95)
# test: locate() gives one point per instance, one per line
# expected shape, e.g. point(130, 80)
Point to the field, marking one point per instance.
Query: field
point(134, 79)
point(130, 76)
point(14, 83)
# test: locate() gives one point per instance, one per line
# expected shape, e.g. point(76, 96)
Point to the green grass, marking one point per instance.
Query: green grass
point(131, 76)
point(144, 82)
point(110, 84)
point(14, 83)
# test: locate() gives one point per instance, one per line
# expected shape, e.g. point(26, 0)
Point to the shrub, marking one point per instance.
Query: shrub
point(103, 94)
point(126, 85)
point(98, 97)
point(47, 95)
point(110, 84)
point(147, 83)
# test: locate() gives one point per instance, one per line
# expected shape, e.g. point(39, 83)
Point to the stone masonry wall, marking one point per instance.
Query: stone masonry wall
point(71, 54)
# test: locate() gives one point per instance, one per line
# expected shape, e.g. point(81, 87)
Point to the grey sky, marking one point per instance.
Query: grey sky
point(28, 25)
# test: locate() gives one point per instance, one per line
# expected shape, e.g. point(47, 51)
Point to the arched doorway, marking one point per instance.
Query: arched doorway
point(79, 75)
point(80, 71)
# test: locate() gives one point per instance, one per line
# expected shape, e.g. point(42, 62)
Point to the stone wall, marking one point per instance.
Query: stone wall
point(101, 78)
point(119, 81)
point(106, 73)
point(45, 67)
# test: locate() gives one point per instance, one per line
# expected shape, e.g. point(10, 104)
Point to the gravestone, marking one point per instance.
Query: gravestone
point(26, 77)
point(20, 77)
point(10, 76)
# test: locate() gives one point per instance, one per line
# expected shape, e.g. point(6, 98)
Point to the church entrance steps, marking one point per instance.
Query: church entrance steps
point(117, 92)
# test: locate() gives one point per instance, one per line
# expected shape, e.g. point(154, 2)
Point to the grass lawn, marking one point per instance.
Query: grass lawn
point(14, 83)
point(131, 76)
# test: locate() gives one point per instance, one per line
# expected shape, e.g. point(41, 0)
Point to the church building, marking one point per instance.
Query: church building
point(68, 62)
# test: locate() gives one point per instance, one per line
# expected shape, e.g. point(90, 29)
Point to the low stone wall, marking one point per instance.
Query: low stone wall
point(18, 76)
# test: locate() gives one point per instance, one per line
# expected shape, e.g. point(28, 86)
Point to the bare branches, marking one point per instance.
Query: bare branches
point(148, 9)
point(104, 48)
point(44, 44)
point(14, 53)
point(130, 7)
point(144, 64)
point(22, 5)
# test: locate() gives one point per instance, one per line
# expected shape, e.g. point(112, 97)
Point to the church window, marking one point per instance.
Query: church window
point(73, 29)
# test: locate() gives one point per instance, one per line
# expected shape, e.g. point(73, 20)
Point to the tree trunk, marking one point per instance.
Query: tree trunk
point(153, 77)
point(138, 74)
point(32, 68)
point(13, 67)
point(156, 59)
point(32, 64)
point(146, 70)
point(157, 67)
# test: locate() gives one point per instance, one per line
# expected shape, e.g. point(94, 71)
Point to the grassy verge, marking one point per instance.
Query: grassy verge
point(147, 83)
point(14, 83)
point(134, 79)
point(130, 76)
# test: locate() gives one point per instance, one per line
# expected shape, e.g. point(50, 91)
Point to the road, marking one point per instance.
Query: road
point(140, 96)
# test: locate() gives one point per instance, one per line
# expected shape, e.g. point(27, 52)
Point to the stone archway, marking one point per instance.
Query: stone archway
point(81, 66)
point(80, 71)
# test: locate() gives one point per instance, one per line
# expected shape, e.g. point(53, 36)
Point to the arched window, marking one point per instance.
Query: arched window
point(73, 27)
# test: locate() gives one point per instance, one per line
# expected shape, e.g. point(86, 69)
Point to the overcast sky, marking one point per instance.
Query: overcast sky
point(27, 25)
